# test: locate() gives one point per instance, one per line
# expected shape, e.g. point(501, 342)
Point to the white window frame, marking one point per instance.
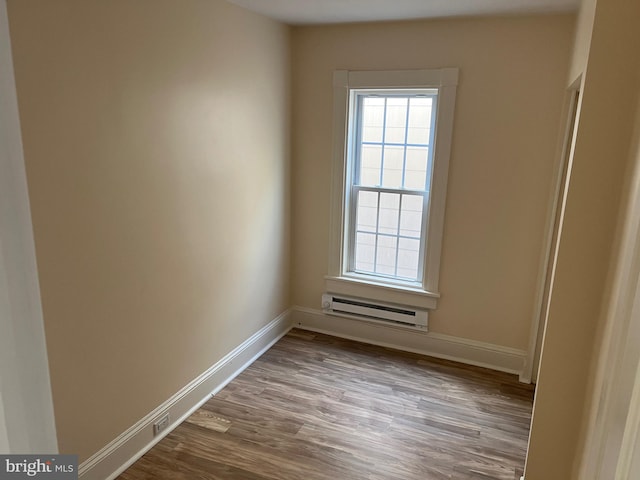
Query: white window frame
point(339, 280)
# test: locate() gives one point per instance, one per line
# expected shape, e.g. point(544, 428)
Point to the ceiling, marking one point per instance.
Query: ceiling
point(305, 12)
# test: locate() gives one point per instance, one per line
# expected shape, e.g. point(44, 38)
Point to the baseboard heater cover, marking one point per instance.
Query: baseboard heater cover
point(375, 311)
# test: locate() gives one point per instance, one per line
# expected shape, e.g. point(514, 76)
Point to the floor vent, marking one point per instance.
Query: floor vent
point(374, 311)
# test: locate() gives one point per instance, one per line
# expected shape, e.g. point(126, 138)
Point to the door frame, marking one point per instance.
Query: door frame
point(555, 209)
point(26, 408)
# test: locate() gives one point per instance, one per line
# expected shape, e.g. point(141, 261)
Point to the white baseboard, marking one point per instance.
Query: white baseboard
point(461, 350)
point(123, 451)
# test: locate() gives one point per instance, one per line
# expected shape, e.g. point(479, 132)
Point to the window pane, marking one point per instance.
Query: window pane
point(386, 255)
point(372, 119)
point(389, 212)
point(396, 120)
point(365, 252)
point(367, 211)
point(392, 169)
point(419, 120)
point(393, 144)
point(416, 168)
point(370, 164)
point(408, 258)
point(411, 216)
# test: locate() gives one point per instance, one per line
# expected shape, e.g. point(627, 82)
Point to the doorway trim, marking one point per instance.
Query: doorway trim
point(27, 424)
point(553, 227)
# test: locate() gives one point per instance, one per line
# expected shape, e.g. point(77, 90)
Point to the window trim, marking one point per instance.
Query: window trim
point(418, 294)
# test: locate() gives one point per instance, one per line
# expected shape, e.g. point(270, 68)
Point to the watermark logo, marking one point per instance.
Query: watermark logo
point(50, 467)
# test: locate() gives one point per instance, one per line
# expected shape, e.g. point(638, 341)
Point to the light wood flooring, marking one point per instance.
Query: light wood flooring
point(316, 407)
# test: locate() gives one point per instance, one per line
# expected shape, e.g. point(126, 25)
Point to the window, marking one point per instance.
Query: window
point(392, 142)
point(391, 161)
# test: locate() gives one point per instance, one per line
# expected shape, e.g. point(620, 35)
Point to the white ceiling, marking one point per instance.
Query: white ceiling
point(303, 12)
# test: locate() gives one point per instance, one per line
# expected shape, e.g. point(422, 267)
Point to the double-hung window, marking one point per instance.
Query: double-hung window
point(391, 152)
point(389, 194)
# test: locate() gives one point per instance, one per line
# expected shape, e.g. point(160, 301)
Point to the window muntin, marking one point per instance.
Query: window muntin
point(391, 160)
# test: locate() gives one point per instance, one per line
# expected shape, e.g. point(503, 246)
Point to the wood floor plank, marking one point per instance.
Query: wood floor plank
point(316, 407)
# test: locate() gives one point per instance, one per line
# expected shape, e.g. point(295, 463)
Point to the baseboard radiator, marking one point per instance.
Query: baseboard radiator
point(374, 311)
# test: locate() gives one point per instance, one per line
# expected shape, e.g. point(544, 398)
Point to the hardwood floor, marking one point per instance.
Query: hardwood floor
point(316, 407)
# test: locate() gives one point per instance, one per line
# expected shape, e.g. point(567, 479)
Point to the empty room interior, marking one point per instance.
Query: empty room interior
point(279, 239)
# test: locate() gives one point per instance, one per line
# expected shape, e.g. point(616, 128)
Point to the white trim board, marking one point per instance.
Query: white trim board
point(123, 451)
point(28, 423)
point(555, 212)
point(437, 345)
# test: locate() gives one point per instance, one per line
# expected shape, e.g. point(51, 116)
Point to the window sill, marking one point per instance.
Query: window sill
point(406, 295)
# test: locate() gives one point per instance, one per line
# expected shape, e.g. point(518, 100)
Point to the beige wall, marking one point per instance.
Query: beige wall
point(156, 146)
point(587, 252)
point(512, 79)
